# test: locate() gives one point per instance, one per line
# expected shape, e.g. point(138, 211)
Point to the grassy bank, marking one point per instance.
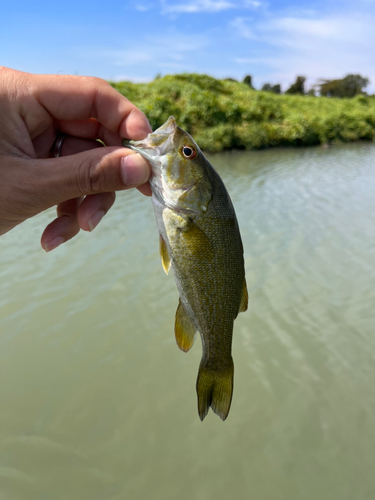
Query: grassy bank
point(223, 114)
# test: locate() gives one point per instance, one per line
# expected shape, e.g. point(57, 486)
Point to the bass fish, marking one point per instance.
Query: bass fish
point(200, 240)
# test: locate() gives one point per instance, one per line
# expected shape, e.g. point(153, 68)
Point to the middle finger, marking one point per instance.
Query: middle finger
point(73, 145)
point(89, 129)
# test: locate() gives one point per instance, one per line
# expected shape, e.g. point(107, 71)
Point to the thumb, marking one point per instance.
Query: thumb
point(99, 170)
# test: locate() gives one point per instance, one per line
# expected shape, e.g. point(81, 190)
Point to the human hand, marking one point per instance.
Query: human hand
point(82, 181)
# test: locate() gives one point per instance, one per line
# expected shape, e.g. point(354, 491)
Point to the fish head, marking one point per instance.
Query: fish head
point(179, 169)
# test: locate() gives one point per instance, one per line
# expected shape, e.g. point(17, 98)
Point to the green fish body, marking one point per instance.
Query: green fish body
point(200, 240)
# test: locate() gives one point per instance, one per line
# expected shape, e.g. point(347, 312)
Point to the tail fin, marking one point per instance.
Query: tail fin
point(215, 389)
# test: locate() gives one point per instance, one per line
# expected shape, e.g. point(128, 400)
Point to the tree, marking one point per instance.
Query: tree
point(248, 80)
point(331, 88)
point(276, 89)
point(349, 86)
point(354, 84)
point(298, 87)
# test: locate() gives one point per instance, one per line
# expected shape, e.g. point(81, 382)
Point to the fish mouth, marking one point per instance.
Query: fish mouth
point(157, 143)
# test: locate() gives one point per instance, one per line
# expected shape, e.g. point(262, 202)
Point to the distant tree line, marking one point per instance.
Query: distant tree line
point(276, 89)
point(349, 86)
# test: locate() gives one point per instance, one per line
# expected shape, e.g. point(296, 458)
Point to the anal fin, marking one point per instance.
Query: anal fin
point(244, 297)
point(184, 329)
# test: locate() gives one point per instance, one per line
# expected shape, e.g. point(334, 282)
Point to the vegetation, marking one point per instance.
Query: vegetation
point(249, 81)
point(225, 114)
point(349, 86)
point(298, 87)
point(268, 87)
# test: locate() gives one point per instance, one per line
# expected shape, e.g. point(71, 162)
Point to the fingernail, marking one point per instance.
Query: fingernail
point(95, 219)
point(147, 127)
point(134, 170)
point(144, 128)
point(54, 243)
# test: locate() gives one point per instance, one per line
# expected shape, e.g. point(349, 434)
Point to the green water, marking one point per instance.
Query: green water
point(98, 403)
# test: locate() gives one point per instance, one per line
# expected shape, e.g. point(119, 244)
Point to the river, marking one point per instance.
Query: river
point(98, 403)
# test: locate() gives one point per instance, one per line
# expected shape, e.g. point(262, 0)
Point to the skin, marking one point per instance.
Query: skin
point(82, 182)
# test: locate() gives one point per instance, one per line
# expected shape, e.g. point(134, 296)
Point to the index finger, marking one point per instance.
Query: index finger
point(68, 97)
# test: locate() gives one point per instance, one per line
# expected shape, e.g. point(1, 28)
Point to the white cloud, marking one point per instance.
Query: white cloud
point(319, 47)
point(252, 4)
point(134, 79)
point(242, 27)
point(195, 6)
point(199, 6)
point(128, 57)
point(179, 67)
point(348, 30)
point(255, 60)
point(142, 7)
point(172, 50)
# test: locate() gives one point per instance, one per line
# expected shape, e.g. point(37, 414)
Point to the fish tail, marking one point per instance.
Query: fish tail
point(215, 389)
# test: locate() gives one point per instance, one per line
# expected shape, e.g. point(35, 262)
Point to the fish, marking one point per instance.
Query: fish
point(199, 239)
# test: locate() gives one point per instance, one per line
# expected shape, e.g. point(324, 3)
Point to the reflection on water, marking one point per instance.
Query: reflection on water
point(97, 401)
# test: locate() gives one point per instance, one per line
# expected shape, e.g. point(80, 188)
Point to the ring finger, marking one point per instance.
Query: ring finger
point(72, 145)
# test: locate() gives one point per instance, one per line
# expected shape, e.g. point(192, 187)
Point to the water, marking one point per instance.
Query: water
point(96, 400)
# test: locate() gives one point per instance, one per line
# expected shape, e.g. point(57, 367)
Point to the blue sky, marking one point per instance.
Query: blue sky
point(274, 41)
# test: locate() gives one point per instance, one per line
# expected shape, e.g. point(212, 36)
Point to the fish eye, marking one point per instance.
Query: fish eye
point(188, 152)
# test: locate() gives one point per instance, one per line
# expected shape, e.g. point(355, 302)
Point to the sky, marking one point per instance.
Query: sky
point(274, 41)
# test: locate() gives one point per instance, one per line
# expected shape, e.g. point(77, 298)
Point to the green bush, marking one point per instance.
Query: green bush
point(225, 114)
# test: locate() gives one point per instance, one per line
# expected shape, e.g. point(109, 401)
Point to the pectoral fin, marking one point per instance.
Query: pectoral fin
point(196, 243)
point(244, 298)
point(184, 329)
point(165, 260)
